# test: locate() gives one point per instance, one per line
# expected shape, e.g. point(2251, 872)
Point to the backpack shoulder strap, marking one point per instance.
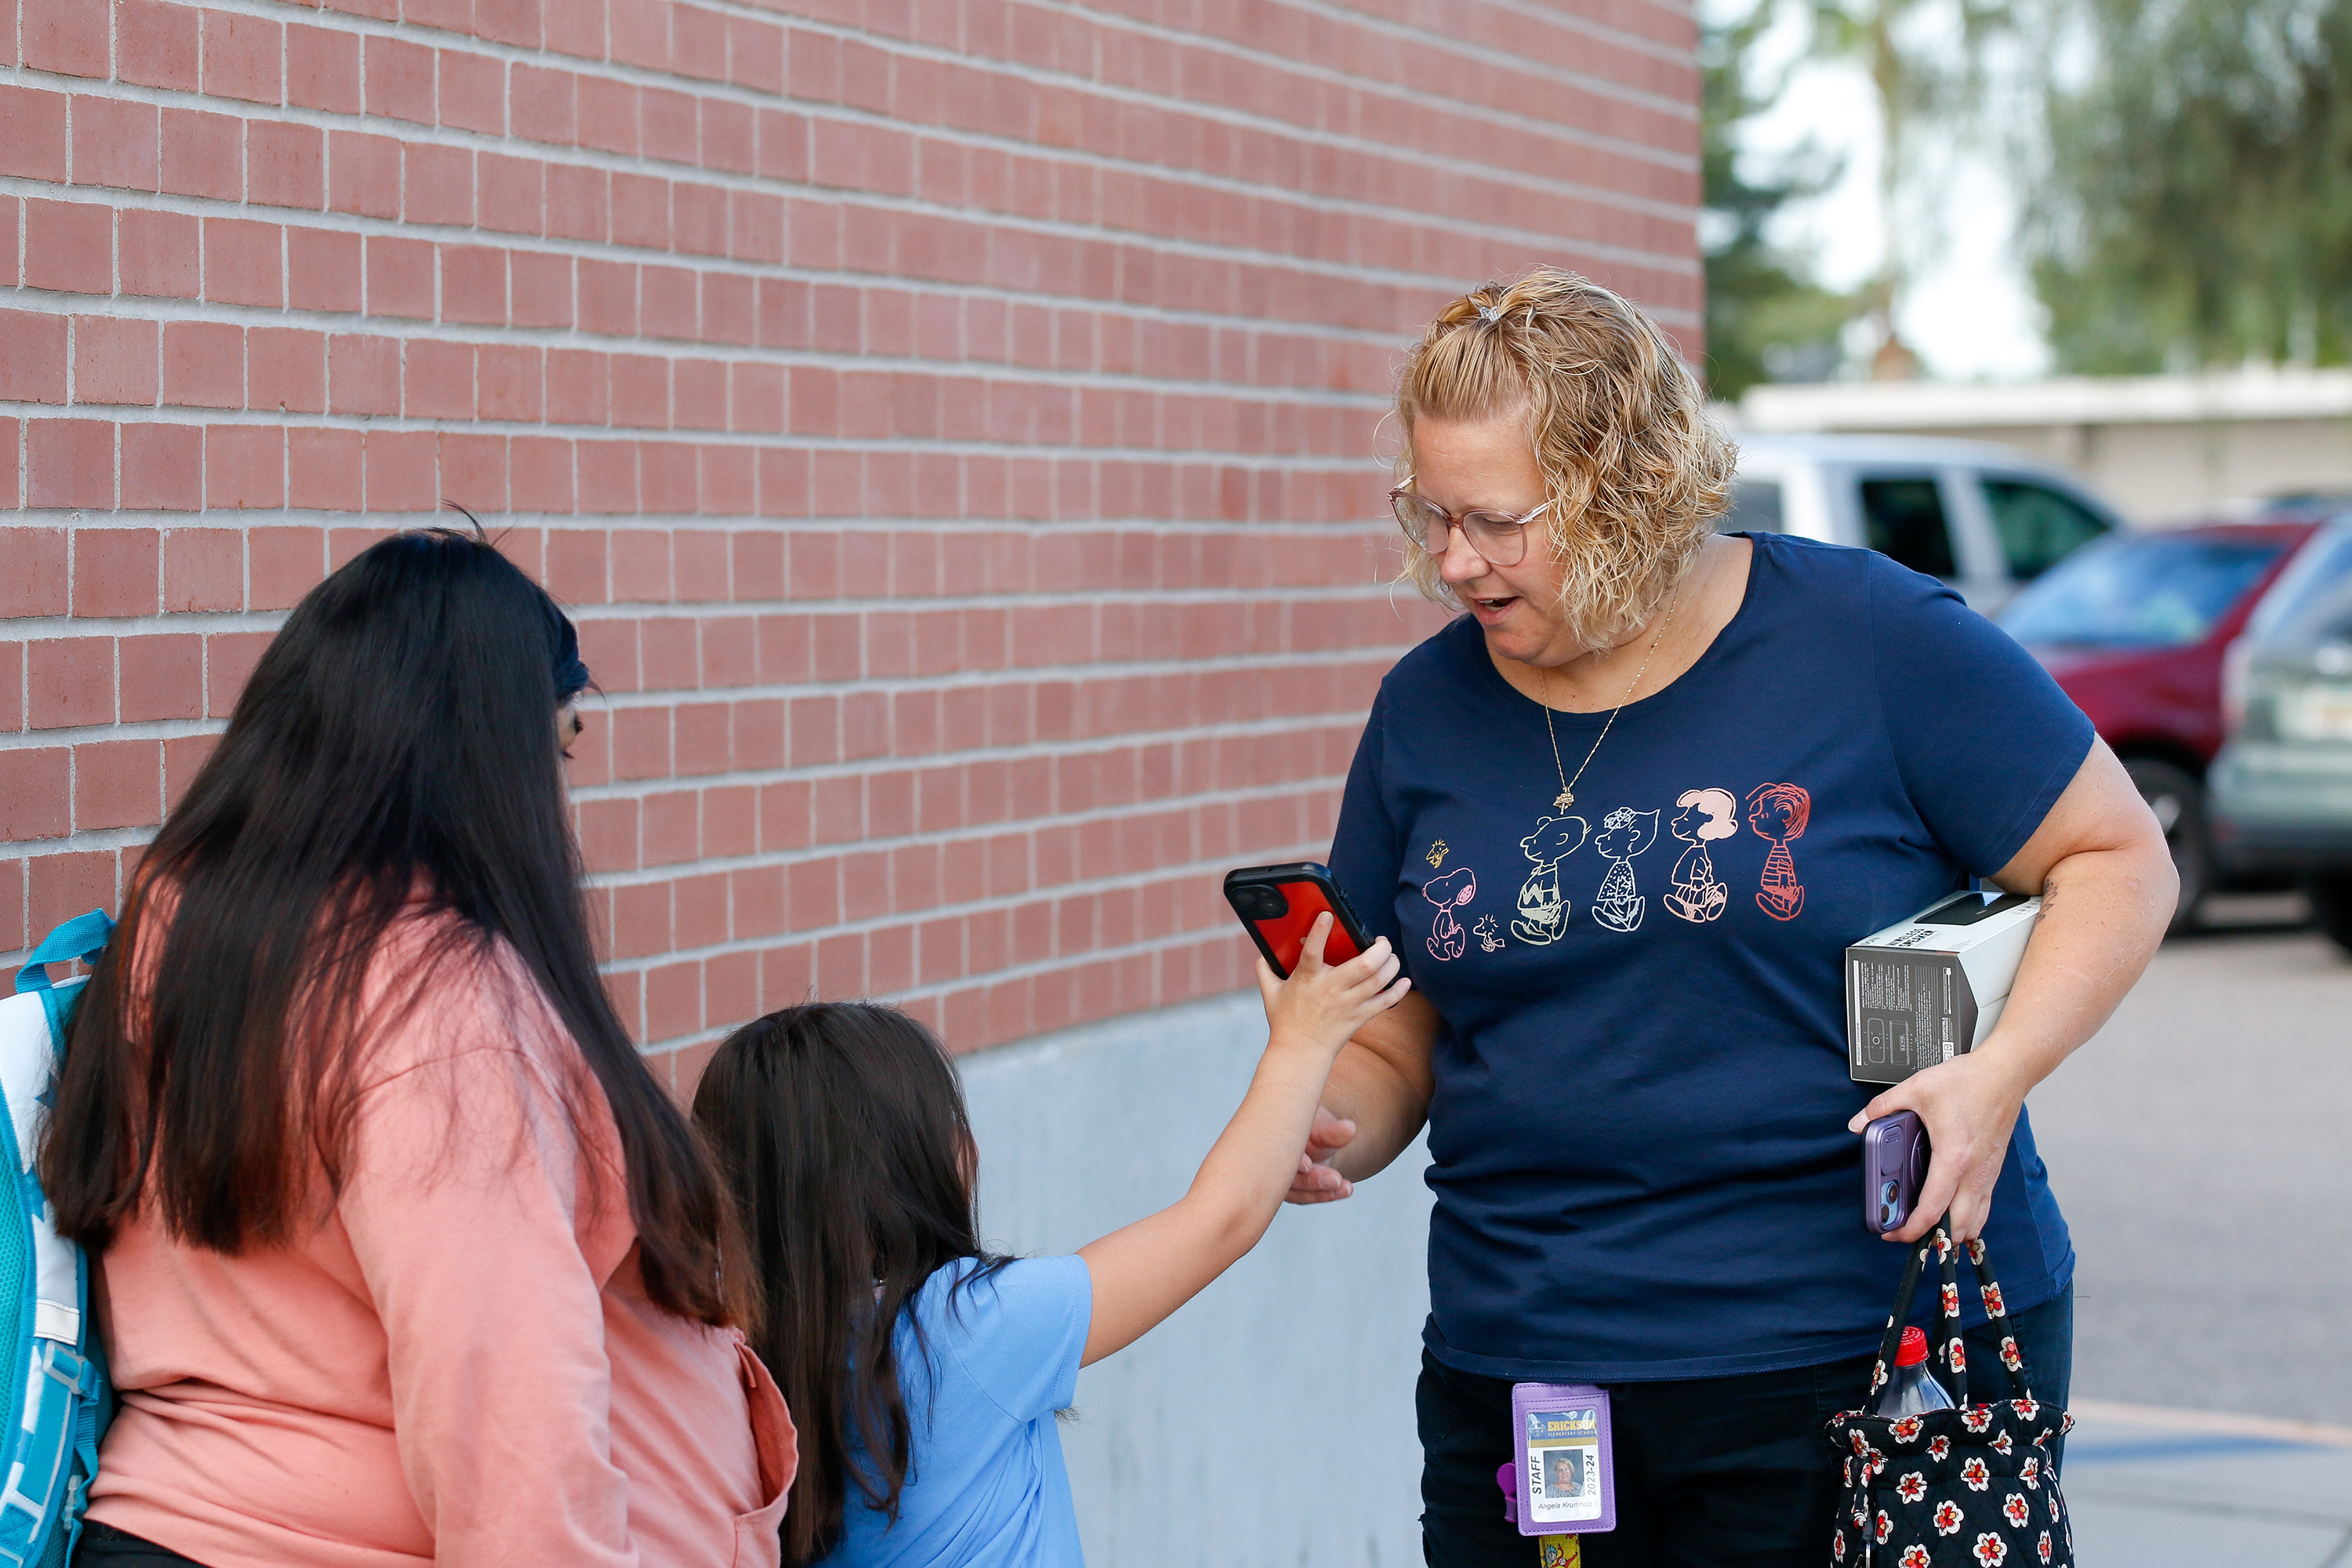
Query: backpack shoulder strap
point(83, 937)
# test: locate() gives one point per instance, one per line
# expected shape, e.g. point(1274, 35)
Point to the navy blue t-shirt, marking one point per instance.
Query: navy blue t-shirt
point(1638, 1138)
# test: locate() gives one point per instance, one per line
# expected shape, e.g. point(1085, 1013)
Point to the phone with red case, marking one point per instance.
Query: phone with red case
point(1278, 903)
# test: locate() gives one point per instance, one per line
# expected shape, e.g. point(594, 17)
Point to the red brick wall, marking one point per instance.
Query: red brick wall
point(952, 421)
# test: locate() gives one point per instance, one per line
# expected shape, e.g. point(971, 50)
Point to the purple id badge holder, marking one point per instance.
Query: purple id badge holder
point(1565, 1482)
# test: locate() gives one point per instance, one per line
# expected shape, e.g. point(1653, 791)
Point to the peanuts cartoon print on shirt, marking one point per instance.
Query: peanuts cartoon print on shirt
point(1707, 814)
point(1625, 833)
point(1447, 938)
point(1779, 812)
point(1489, 934)
point(1543, 912)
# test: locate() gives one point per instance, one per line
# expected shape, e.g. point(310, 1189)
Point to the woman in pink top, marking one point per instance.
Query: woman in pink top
point(406, 1258)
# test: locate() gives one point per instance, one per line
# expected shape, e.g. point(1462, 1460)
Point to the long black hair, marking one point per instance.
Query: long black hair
point(398, 736)
point(842, 1130)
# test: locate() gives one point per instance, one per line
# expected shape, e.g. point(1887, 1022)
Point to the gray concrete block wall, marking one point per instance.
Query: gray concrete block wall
point(1270, 1423)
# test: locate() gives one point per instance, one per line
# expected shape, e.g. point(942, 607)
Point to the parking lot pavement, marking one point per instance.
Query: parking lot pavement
point(2197, 1147)
point(2159, 1489)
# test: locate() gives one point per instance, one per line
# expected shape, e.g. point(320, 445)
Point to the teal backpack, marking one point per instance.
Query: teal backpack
point(56, 1377)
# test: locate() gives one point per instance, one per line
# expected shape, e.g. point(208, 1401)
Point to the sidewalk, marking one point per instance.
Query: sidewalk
point(2165, 1488)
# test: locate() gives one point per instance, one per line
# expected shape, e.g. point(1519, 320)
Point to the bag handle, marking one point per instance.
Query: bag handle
point(84, 937)
point(1946, 1345)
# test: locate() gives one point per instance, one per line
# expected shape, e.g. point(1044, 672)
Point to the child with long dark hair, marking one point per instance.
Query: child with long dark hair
point(406, 1258)
point(926, 1372)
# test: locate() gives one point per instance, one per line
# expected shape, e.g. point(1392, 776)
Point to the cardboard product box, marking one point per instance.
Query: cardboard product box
point(1929, 988)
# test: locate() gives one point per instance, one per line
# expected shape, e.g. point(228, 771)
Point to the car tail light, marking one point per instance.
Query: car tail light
point(2235, 663)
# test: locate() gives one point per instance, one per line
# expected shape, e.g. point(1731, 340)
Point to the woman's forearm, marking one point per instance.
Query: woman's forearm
point(1367, 1088)
point(2104, 913)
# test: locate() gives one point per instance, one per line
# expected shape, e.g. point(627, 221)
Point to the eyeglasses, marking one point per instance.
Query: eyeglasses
point(1498, 537)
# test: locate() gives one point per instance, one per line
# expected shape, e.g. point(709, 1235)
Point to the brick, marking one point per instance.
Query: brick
point(184, 757)
point(204, 364)
point(69, 246)
point(322, 68)
point(438, 184)
point(115, 361)
point(115, 143)
point(285, 563)
point(399, 278)
point(472, 92)
point(474, 284)
point(203, 569)
point(60, 886)
point(285, 369)
point(285, 165)
point(118, 783)
point(242, 56)
point(159, 254)
point(70, 682)
point(163, 468)
point(116, 571)
point(160, 676)
point(437, 380)
point(33, 356)
point(363, 374)
point(33, 574)
point(155, 43)
point(323, 270)
point(362, 174)
point(512, 194)
point(244, 466)
point(69, 463)
point(323, 472)
point(204, 154)
point(229, 658)
point(245, 262)
point(516, 22)
point(36, 794)
point(32, 133)
point(398, 78)
point(68, 37)
point(400, 474)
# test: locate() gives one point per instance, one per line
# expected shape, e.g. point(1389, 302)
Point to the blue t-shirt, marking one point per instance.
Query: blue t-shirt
point(1638, 1137)
point(987, 1487)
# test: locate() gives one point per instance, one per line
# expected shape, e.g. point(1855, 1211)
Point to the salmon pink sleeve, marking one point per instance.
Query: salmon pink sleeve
point(462, 1201)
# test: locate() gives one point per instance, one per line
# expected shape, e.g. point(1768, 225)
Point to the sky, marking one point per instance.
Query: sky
point(1971, 315)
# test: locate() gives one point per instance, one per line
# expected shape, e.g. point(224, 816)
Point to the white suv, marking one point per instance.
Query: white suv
point(1984, 517)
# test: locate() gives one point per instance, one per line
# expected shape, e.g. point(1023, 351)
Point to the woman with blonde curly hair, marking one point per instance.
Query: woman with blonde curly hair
point(1640, 1123)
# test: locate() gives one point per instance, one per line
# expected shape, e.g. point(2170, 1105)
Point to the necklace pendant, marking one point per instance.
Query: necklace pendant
point(1564, 800)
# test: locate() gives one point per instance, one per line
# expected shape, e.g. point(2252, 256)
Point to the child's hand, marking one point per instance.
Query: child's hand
point(1326, 1003)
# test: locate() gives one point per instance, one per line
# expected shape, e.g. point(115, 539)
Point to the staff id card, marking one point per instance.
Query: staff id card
point(1568, 1483)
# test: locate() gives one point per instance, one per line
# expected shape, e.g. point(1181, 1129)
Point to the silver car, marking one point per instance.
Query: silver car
point(1985, 519)
point(2280, 791)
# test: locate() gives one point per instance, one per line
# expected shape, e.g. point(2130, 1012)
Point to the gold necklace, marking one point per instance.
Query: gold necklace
point(1567, 796)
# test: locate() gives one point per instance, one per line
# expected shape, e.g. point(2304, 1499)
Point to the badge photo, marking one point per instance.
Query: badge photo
point(1567, 1482)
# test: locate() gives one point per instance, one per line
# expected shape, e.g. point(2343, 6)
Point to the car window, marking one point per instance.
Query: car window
point(1755, 508)
point(2318, 603)
point(2143, 592)
point(2039, 527)
point(1903, 518)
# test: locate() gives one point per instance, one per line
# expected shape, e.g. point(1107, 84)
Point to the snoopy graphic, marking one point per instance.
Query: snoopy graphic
point(1625, 833)
point(1543, 912)
point(1449, 892)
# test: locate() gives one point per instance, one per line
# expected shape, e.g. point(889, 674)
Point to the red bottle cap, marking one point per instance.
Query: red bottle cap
point(1913, 1349)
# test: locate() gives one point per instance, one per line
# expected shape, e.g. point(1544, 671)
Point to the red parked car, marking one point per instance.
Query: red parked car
point(2134, 627)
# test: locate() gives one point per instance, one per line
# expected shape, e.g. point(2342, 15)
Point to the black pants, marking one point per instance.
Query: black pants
point(1718, 1472)
point(121, 1548)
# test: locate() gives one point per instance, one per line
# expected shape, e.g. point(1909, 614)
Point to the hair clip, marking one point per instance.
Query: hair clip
point(1490, 313)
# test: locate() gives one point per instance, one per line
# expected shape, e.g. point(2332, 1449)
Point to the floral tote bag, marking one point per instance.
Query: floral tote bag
point(1971, 1487)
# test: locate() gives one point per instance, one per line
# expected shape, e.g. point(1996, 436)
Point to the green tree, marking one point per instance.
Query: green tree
point(1766, 319)
point(2195, 205)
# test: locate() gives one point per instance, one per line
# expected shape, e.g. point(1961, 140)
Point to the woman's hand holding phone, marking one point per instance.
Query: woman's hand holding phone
point(1321, 1005)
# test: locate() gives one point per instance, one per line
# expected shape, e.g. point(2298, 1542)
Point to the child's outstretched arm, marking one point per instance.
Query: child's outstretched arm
point(1150, 1269)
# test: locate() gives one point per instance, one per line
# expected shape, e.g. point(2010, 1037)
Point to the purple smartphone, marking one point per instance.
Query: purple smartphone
point(1894, 1169)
